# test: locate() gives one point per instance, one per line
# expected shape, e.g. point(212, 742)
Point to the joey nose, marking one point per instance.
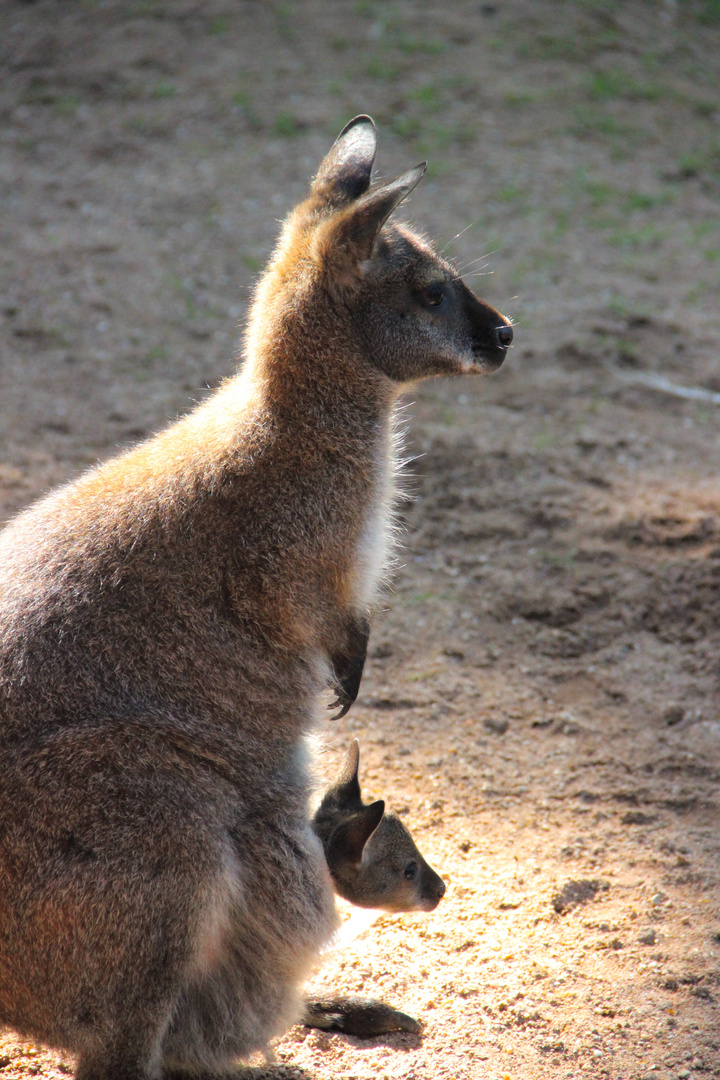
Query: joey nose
point(504, 335)
point(435, 889)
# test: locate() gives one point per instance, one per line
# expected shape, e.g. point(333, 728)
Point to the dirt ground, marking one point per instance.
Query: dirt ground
point(542, 700)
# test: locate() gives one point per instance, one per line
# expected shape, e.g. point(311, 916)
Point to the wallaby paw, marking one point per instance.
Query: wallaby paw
point(348, 663)
point(345, 702)
point(357, 1016)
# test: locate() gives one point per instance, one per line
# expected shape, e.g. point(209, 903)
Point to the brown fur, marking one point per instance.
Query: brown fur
point(166, 624)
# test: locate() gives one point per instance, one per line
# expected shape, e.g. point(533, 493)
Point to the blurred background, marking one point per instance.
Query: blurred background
point(541, 700)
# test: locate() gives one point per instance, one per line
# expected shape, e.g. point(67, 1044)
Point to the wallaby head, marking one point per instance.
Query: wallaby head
point(403, 307)
point(372, 857)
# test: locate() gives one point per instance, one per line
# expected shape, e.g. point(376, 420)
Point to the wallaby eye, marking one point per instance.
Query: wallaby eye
point(411, 870)
point(434, 295)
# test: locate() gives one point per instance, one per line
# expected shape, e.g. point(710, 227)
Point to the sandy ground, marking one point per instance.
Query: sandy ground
point(542, 699)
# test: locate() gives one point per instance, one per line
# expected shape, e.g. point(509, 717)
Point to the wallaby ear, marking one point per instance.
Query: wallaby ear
point(346, 240)
point(348, 840)
point(345, 173)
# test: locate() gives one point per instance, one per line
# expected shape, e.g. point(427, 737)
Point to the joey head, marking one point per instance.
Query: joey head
point(372, 857)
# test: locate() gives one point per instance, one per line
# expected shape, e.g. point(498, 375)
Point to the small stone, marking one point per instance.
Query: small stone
point(497, 727)
point(636, 817)
point(577, 892)
point(382, 651)
point(648, 938)
point(675, 714)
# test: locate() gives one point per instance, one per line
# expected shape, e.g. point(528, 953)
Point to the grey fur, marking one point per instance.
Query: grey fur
point(167, 622)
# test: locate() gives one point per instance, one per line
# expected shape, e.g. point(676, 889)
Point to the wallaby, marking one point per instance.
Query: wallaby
point(373, 863)
point(167, 623)
point(372, 857)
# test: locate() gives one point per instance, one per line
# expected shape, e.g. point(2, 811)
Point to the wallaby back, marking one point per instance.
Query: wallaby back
point(372, 858)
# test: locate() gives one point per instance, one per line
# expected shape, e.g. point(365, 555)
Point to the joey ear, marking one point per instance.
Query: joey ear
point(345, 173)
point(346, 786)
point(347, 842)
point(351, 764)
point(346, 240)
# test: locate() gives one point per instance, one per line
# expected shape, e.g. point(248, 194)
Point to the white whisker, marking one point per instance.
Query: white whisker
point(458, 235)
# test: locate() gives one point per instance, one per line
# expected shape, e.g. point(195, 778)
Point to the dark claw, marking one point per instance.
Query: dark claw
point(343, 712)
point(348, 665)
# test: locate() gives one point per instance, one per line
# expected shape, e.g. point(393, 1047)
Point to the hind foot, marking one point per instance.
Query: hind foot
point(357, 1016)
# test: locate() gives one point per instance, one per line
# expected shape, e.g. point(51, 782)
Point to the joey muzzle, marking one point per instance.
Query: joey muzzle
point(433, 889)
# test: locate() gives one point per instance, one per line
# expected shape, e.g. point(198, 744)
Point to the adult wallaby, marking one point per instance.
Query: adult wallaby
point(167, 623)
point(372, 858)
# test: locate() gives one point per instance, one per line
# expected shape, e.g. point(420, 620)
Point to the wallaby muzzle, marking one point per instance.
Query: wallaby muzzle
point(492, 333)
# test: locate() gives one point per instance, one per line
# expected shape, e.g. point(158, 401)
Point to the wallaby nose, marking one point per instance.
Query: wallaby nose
point(504, 335)
point(440, 890)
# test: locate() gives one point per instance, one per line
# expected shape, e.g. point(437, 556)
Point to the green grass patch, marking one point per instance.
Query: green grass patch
point(590, 120)
point(701, 161)
point(520, 98)
point(648, 236)
point(67, 104)
point(414, 45)
point(283, 23)
point(616, 83)
point(383, 68)
point(287, 126)
point(252, 262)
point(164, 90)
point(648, 200)
point(708, 13)
point(158, 352)
point(576, 44)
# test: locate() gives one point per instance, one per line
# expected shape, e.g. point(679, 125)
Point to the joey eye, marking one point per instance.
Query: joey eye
point(411, 870)
point(434, 295)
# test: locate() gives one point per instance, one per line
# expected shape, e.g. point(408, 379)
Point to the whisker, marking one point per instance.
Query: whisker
point(472, 262)
point(458, 235)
